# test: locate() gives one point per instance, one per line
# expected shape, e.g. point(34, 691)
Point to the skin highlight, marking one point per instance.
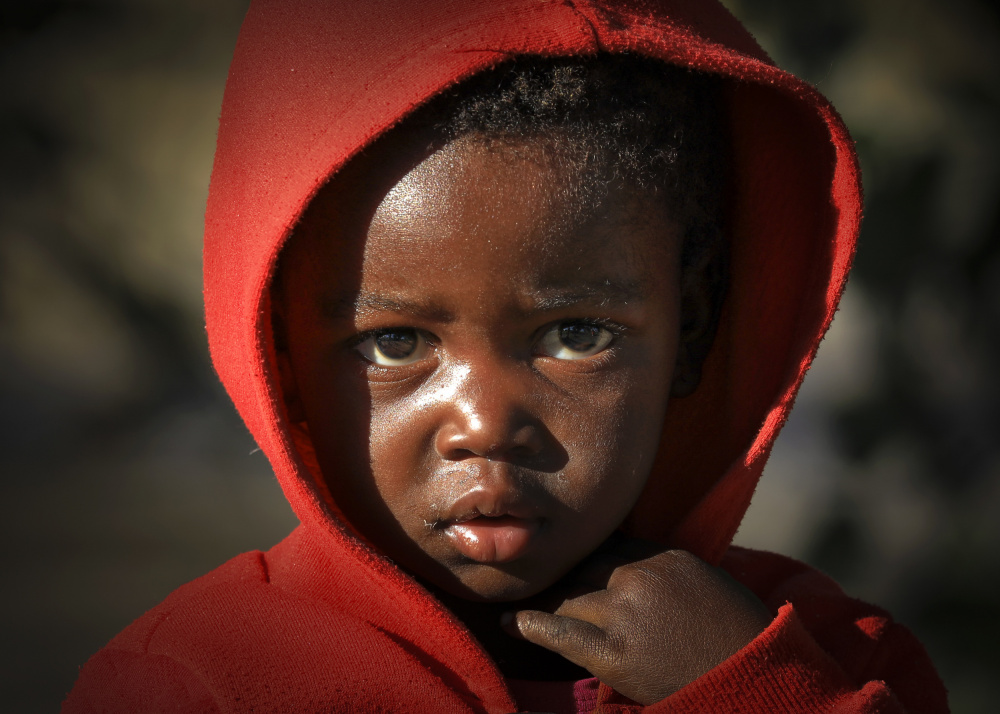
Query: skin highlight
point(484, 361)
point(567, 441)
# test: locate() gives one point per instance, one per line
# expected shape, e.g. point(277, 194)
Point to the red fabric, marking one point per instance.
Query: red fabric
point(321, 622)
point(578, 697)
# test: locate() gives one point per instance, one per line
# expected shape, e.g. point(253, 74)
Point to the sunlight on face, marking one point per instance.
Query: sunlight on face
point(484, 379)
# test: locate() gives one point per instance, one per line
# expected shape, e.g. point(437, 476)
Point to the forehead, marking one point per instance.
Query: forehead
point(538, 207)
point(534, 195)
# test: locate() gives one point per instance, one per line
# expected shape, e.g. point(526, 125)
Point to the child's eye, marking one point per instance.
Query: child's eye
point(394, 347)
point(575, 340)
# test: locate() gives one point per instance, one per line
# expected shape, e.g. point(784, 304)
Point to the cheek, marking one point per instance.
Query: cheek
point(611, 435)
point(369, 457)
point(397, 444)
point(404, 422)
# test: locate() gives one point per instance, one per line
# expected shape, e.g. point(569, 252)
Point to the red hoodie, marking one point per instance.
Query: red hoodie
point(321, 622)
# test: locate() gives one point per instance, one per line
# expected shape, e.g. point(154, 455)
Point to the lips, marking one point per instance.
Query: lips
point(498, 539)
point(490, 526)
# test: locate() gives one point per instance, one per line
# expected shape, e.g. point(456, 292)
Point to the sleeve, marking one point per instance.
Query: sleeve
point(785, 670)
point(823, 652)
point(121, 682)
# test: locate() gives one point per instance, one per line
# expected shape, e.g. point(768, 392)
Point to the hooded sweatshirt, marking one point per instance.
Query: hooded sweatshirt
point(324, 622)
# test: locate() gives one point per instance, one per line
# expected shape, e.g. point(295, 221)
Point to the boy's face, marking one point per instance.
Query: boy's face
point(483, 357)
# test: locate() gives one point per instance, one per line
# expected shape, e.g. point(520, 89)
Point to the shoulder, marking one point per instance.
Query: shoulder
point(232, 636)
point(144, 669)
point(241, 578)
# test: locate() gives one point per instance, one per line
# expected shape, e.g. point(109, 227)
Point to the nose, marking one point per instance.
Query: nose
point(490, 417)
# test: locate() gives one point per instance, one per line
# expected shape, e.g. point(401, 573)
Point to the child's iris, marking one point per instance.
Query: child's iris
point(579, 337)
point(394, 347)
point(575, 340)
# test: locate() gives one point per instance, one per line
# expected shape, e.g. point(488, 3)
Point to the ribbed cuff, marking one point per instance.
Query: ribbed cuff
point(782, 670)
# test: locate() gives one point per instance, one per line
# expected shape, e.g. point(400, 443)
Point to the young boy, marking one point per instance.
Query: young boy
point(516, 295)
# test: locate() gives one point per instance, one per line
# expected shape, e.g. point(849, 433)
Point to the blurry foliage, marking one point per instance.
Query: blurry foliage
point(913, 524)
point(125, 470)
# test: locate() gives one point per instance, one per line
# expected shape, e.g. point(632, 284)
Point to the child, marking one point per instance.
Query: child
point(516, 296)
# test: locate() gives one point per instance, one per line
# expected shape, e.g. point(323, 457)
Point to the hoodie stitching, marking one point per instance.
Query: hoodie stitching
point(161, 618)
point(264, 569)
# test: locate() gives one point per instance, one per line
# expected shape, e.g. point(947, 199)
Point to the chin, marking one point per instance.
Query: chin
point(483, 583)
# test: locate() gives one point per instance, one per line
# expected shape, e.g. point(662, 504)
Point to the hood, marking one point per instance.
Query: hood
point(313, 82)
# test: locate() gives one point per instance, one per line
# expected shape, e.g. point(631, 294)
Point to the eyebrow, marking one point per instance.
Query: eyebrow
point(608, 292)
point(343, 307)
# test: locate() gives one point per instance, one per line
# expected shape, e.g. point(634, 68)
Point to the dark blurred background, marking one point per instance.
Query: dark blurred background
point(125, 471)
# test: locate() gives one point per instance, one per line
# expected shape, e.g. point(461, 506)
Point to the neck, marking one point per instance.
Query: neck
point(514, 657)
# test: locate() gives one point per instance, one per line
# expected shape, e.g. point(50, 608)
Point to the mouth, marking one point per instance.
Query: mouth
point(493, 539)
point(484, 528)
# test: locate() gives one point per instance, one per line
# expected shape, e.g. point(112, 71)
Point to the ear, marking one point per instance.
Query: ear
point(703, 278)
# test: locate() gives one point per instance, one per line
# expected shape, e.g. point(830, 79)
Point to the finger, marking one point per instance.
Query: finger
point(578, 641)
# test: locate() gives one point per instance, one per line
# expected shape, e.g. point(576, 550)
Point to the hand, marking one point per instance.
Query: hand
point(644, 620)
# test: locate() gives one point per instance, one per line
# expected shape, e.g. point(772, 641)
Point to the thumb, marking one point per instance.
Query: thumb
point(578, 641)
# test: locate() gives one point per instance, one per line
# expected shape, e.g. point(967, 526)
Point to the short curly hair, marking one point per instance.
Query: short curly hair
point(653, 126)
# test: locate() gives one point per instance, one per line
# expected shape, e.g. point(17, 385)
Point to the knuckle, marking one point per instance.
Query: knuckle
point(681, 565)
point(689, 562)
point(609, 652)
point(561, 631)
point(627, 574)
point(636, 578)
point(683, 557)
